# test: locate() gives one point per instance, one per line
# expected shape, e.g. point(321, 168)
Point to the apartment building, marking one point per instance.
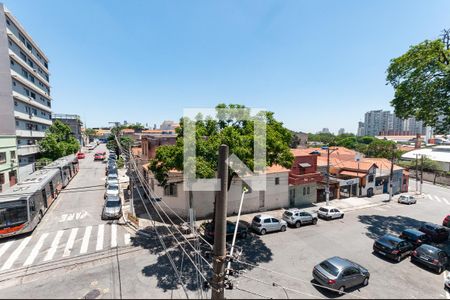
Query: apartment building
point(75, 124)
point(25, 101)
point(378, 122)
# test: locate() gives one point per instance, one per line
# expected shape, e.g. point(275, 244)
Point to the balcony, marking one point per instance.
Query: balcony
point(32, 118)
point(30, 133)
point(31, 70)
point(31, 101)
point(30, 85)
point(27, 150)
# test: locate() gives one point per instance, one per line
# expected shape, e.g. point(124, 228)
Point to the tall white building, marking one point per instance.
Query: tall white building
point(25, 102)
point(378, 122)
point(341, 131)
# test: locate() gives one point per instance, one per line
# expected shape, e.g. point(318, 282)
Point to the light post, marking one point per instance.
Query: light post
point(327, 190)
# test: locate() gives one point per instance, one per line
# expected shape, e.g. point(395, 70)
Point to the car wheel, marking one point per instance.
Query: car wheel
point(283, 228)
point(314, 221)
point(342, 216)
point(298, 224)
point(399, 258)
point(342, 290)
point(262, 232)
point(366, 281)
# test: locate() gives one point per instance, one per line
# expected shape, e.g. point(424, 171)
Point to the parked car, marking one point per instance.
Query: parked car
point(407, 199)
point(415, 237)
point(111, 169)
point(297, 218)
point(431, 257)
point(446, 221)
point(340, 274)
point(329, 212)
point(241, 233)
point(99, 156)
point(435, 232)
point(447, 282)
point(112, 179)
point(112, 190)
point(392, 247)
point(112, 208)
point(81, 155)
point(91, 147)
point(265, 223)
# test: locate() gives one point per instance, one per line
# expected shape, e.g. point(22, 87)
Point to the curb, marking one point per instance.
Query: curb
point(365, 206)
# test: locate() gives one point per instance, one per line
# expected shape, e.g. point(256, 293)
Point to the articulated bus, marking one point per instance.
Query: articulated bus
point(23, 206)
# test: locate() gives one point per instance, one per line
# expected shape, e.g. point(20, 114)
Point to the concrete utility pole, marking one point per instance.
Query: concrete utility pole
point(417, 173)
point(421, 173)
point(391, 174)
point(220, 228)
point(327, 191)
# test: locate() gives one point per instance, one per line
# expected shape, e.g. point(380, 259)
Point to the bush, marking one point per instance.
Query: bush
point(120, 162)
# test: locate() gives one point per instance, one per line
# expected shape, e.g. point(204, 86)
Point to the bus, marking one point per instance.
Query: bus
point(23, 206)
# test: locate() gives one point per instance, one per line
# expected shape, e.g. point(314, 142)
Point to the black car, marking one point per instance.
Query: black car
point(431, 257)
point(392, 247)
point(436, 233)
point(241, 233)
point(415, 237)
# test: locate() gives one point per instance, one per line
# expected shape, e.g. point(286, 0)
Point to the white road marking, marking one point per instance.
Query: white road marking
point(127, 238)
point(85, 243)
point(70, 217)
point(8, 264)
point(445, 200)
point(34, 253)
point(101, 232)
point(445, 274)
point(429, 197)
point(113, 235)
point(51, 252)
point(437, 198)
point(63, 218)
point(70, 242)
point(5, 247)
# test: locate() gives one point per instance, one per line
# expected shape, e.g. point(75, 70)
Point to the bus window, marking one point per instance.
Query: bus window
point(13, 213)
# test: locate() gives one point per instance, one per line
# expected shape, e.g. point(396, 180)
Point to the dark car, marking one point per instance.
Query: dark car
point(392, 247)
point(241, 233)
point(340, 274)
point(431, 257)
point(446, 221)
point(436, 233)
point(415, 237)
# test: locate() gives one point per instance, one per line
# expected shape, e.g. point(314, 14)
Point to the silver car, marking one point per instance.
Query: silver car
point(340, 274)
point(112, 208)
point(297, 218)
point(407, 199)
point(265, 223)
point(112, 190)
point(112, 179)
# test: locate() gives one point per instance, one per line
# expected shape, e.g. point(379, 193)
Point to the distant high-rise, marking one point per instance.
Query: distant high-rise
point(25, 102)
point(361, 130)
point(325, 130)
point(341, 131)
point(377, 122)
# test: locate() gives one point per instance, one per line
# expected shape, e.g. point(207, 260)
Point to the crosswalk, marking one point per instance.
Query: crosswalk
point(438, 199)
point(44, 247)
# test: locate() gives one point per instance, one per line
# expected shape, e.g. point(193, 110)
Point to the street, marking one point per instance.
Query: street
point(137, 267)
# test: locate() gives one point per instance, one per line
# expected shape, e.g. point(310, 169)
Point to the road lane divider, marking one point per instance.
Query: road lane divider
point(34, 253)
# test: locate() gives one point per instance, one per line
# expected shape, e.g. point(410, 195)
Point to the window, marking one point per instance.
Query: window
point(170, 190)
point(10, 43)
point(304, 191)
point(30, 62)
point(2, 157)
point(46, 65)
point(308, 191)
point(38, 55)
point(13, 154)
point(17, 124)
point(27, 92)
point(23, 56)
point(7, 22)
point(277, 180)
point(48, 104)
point(14, 83)
point(12, 62)
point(370, 178)
point(31, 78)
point(267, 220)
point(2, 178)
point(29, 46)
point(16, 104)
point(33, 95)
point(24, 73)
point(22, 38)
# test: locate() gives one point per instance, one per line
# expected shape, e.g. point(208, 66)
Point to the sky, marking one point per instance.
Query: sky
point(315, 64)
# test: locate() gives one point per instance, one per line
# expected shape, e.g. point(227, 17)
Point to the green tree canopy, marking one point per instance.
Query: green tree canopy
point(238, 135)
point(421, 79)
point(91, 133)
point(58, 141)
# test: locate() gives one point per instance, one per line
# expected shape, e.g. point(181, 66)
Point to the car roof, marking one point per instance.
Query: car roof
point(264, 216)
point(391, 238)
point(433, 225)
point(112, 198)
point(413, 231)
point(328, 207)
point(429, 247)
point(341, 263)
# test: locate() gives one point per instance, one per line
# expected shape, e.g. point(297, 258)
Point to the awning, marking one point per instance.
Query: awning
point(304, 165)
point(353, 174)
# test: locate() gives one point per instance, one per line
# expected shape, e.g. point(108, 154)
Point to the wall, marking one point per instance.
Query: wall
point(427, 176)
point(7, 145)
point(298, 194)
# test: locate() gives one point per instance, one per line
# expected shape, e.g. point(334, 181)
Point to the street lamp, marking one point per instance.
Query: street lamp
point(327, 190)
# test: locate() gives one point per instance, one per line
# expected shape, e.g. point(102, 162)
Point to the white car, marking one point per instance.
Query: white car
point(407, 199)
point(112, 179)
point(265, 223)
point(447, 282)
point(329, 213)
point(112, 190)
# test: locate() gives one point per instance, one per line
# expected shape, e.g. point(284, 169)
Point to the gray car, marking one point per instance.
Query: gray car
point(265, 223)
point(297, 218)
point(340, 274)
point(112, 208)
point(407, 199)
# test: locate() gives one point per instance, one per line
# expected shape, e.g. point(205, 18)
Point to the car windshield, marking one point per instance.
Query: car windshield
point(112, 203)
point(112, 177)
point(323, 209)
point(427, 251)
point(256, 220)
point(13, 213)
point(288, 213)
point(113, 188)
point(330, 268)
point(388, 241)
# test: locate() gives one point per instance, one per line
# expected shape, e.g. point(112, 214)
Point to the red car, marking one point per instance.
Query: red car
point(80, 155)
point(446, 221)
point(99, 156)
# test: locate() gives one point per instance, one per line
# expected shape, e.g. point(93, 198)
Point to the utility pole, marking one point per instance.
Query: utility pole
point(220, 222)
point(417, 174)
point(421, 173)
point(391, 174)
point(327, 191)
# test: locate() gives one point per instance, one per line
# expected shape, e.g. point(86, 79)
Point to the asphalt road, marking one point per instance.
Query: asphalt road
point(147, 273)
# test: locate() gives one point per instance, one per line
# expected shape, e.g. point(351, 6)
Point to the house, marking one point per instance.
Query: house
point(400, 177)
point(150, 141)
point(275, 196)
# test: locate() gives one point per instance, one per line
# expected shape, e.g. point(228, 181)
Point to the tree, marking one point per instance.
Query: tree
point(421, 78)
point(125, 141)
point(238, 135)
point(138, 127)
point(58, 141)
point(90, 133)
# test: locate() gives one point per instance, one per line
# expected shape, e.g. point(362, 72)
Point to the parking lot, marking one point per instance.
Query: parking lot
point(296, 251)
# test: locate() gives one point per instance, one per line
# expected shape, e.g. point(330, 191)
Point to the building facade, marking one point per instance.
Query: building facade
point(75, 124)
point(382, 122)
point(25, 101)
point(8, 162)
